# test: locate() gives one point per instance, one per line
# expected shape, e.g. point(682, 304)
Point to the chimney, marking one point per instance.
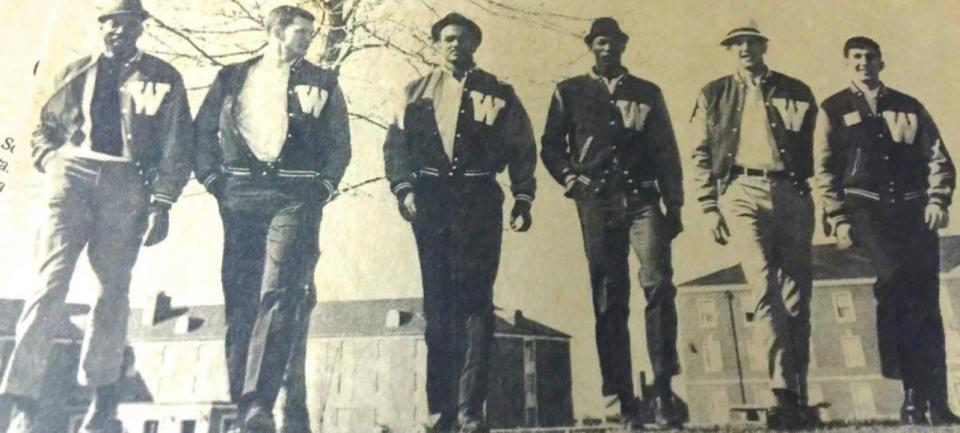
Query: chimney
point(156, 310)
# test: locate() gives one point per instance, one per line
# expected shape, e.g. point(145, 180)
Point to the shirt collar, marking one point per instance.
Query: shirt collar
point(857, 90)
point(750, 80)
point(596, 76)
point(127, 63)
point(447, 71)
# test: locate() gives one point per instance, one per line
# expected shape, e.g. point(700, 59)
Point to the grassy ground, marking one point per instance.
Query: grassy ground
point(872, 427)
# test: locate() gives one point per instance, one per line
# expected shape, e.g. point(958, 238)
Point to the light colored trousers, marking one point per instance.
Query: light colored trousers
point(101, 206)
point(771, 225)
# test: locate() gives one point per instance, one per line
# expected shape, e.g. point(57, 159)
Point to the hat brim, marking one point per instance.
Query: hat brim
point(143, 15)
point(588, 39)
point(450, 21)
point(739, 35)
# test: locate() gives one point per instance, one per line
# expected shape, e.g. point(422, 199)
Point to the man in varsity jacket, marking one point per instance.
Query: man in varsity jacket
point(609, 140)
point(456, 128)
point(886, 181)
point(753, 159)
point(273, 143)
point(115, 143)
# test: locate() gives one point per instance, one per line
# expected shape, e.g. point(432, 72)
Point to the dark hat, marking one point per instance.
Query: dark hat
point(454, 18)
point(605, 26)
point(748, 29)
point(111, 8)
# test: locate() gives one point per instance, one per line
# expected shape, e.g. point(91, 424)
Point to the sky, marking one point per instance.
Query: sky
point(368, 251)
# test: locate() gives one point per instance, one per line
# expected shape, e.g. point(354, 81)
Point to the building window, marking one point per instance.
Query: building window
point(843, 309)
point(151, 426)
point(712, 355)
point(757, 354)
point(707, 312)
point(863, 405)
point(531, 417)
point(719, 406)
point(188, 426)
point(852, 351)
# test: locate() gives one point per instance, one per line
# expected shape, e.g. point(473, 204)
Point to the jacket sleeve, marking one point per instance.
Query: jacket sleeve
point(522, 150)
point(49, 134)
point(174, 167)
point(209, 155)
point(941, 174)
point(704, 180)
point(829, 165)
point(336, 125)
point(556, 148)
point(669, 173)
point(397, 158)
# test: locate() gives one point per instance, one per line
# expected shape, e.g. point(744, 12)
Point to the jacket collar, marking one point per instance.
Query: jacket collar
point(740, 78)
point(881, 91)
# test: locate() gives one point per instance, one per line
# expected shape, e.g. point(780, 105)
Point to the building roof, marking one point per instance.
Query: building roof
point(366, 318)
point(832, 264)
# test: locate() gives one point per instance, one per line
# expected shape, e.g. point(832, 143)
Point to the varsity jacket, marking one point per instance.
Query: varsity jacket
point(155, 120)
point(791, 111)
point(894, 156)
point(493, 134)
point(318, 133)
point(620, 141)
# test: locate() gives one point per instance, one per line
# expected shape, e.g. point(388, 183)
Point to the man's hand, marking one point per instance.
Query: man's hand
point(936, 217)
point(674, 222)
point(408, 207)
point(521, 211)
point(718, 227)
point(844, 239)
point(158, 224)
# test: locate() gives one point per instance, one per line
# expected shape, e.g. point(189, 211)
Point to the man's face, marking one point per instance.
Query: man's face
point(748, 51)
point(864, 63)
point(296, 37)
point(120, 33)
point(608, 50)
point(457, 44)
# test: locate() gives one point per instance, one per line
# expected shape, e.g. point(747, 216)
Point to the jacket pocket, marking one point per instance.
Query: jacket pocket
point(857, 157)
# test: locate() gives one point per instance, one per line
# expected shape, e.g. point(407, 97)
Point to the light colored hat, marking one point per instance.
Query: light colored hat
point(748, 29)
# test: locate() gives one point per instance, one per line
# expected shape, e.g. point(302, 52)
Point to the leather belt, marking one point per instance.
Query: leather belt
point(758, 172)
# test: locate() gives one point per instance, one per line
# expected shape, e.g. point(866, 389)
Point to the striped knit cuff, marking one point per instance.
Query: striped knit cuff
point(162, 200)
point(937, 200)
point(523, 197)
point(401, 189)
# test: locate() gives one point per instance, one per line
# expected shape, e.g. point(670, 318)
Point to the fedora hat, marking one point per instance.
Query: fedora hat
point(122, 7)
point(749, 29)
point(454, 18)
point(605, 26)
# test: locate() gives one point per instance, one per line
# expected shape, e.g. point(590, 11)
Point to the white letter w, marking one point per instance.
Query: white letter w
point(792, 112)
point(486, 107)
point(147, 96)
point(903, 126)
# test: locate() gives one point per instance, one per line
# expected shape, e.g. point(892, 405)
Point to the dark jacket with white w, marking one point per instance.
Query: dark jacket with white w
point(791, 111)
point(318, 132)
point(493, 133)
point(155, 119)
point(591, 133)
point(894, 156)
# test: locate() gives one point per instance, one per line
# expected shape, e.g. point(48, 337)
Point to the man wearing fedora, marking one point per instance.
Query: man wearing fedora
point(273, 143)
point(608, 139)
point(115, 143)
point(456, 128)
point(753, 160)
point(886, 181)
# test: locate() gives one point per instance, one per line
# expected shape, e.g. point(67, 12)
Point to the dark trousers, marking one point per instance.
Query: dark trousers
point(906, 258)
point(458, 230)
point(610, 226)
point(271, 229)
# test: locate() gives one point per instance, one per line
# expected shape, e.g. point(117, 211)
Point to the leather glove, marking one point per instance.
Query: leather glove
point(521, 210)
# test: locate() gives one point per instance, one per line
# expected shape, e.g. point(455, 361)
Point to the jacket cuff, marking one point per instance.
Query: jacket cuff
point(40, 161)
point(939, 201)
point(331, 189)
point(709, 205)
point(210, 180)
point(162, 200)
point(523, 197)
point(401, 189)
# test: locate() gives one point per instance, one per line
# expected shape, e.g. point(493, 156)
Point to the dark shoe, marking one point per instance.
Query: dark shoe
point(473, 425)
point(785, 417)
point(101, 417)
point(259, 420)
point(940, 414)
point(666, 414)
point(631, 413)
point(914, 410)
point(25, 418)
